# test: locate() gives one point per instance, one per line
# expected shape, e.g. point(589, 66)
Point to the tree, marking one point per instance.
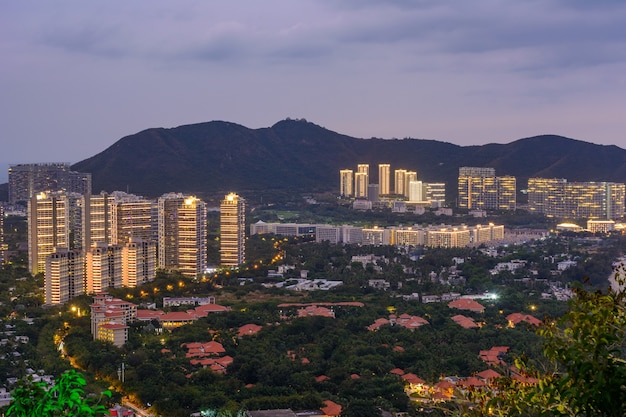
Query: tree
point(65, 398)
point(587, 348)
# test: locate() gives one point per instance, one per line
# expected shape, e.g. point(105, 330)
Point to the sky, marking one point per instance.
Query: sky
point(76, 76)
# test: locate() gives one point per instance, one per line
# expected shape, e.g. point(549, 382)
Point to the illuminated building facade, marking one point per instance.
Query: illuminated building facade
point(399, 177)
point(182, 223)
point(555, 197)
point(27, 180)
point(133, 218)
point(479, 188)
point(192, 237)
point(361, 185)
point(436, 192)
point(64, 275)
point(103, 268)
point(346, 183)
point(384, 179)
point(138, 262)
point(48, 227)
point(232, 230)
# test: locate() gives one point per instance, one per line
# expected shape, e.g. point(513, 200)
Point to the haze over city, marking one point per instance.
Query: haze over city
point(78, 76)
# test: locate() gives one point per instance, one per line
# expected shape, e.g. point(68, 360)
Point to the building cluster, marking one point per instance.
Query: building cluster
point(406, 185)
point(87, 243)
point(479, 188)
point(430, 236)
point(556, 197)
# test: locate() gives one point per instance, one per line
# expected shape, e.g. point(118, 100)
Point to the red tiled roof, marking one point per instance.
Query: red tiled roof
point(516, 318)
point(465, 322)
point(466, 304)
point(176, 316)
point(322, 378)
point(472, 382)
point(488, 374)
point(148, 314)
point(413, 379)
point(331, 408)
point(397, 371)
point(249, 329)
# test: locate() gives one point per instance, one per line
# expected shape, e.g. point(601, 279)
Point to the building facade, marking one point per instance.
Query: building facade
point(27, 180)
point(384, 179)
point(556, 197)
point(232, 230)
point(64, 276)
point(346, 183)
point(479, 188)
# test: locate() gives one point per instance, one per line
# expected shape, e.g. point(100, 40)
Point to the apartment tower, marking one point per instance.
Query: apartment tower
point(384, 179)
point(232, 230)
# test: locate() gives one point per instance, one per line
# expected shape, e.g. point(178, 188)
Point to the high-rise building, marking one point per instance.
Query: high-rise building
point(133, 218)
point(436, 192)
point(416, 191)
point(103, 268)
point(64, 276)
point(48, 227)
point(399, 181)
point(363, 168)
point(479, 188)
point(98, 219)
point(408, 177)
point(26, 180)
point(346, 183)
point(192, 237)
point(384, 179)
point(232, 230)
point(182, 233)
point(138, 262)
point(361, 184)
point(555, 197)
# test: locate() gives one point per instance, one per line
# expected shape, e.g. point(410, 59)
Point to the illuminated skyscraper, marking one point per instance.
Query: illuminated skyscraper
point(232, 230)
point(479, 188)
point(182, 233)
point(103, 267)
point(361, 184)
point(64, 276)
point(399, 181)
point(384, 179)
point(346, 183)
point(138, 262)
point(408, 177)
point(48, 228)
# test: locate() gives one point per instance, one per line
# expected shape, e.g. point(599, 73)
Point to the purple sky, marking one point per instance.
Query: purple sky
point(76, 76)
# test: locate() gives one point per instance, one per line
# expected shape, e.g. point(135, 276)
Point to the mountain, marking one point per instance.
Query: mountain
point(217, 157)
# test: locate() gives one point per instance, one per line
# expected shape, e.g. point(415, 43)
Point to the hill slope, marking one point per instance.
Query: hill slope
point(217, 157)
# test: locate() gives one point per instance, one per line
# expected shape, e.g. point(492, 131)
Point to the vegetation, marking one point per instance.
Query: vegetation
point(65, 398)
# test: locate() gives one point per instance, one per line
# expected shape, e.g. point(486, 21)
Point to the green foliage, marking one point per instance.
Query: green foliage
point(587, 348)
point(65, 398)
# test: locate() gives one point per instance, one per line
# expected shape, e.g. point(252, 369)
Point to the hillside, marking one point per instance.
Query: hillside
point(216, 157)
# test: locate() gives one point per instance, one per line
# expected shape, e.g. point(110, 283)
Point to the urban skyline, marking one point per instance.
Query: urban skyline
point(506, 71)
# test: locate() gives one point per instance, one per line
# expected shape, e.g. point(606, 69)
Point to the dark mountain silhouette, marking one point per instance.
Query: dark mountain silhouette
point(296, 155)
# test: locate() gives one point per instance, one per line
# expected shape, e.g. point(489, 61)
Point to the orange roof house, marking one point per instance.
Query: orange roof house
point(331, 409)
point(465, 322)
point(249, 329)
point(516, 318)
point(467, 304)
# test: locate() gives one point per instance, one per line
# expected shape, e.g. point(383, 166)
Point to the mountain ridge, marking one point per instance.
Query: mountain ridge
point(296, 155)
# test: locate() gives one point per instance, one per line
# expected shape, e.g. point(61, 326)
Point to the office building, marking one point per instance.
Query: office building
point(232, 230)
point(64, 275)
point(555, 197)
point(27, 180)
point(479, 188)
point(346, 183)
point(384, 179)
